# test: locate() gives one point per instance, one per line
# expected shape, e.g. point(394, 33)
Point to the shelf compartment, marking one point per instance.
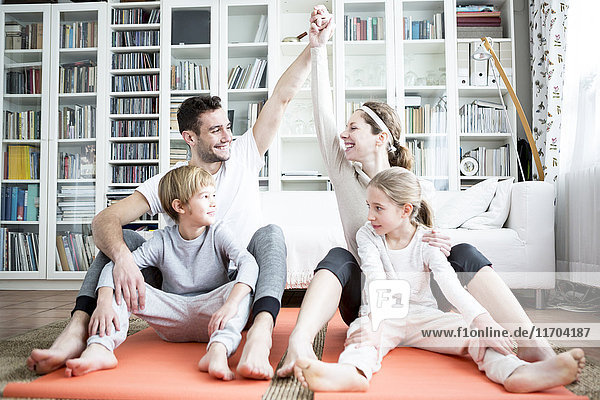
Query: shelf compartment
point(135, 27)
point(247, 94)
point(134, 116)
point(364, 47)
point(190, 51)
point(24, 55)
point(136, 49)
point(147, 93)
point(247, 50)
point(139, 71)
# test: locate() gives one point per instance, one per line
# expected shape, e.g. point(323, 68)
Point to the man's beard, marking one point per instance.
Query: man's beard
point(209, 156)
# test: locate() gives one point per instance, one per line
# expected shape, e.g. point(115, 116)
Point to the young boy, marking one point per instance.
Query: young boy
point(198, 301)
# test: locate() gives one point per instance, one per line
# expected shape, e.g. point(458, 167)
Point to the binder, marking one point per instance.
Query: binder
point(478, 68)
point(463, 64)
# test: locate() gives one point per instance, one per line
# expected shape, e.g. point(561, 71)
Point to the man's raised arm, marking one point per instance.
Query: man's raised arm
point(287, 87)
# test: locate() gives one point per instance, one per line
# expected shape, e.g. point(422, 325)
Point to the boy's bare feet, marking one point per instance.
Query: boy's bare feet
point(215, 362)
point(94, 358)
point(557, 371)
point(298, 348)
point(69, 344)
point(254, 362)
point(320, 376)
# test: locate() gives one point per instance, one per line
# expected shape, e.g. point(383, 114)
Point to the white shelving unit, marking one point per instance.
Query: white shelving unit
point(134, 90)
point(26, 219)
point(74, 179)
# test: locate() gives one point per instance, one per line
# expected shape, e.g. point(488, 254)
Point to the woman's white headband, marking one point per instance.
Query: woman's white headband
point(379, 123)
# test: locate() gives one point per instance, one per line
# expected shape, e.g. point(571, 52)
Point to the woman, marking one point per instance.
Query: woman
point(371, 144)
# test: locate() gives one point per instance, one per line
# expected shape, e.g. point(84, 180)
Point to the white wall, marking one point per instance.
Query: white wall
point(524, 86)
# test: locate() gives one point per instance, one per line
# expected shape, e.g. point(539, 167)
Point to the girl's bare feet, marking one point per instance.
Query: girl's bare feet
point(320, 376)
point(557, 371)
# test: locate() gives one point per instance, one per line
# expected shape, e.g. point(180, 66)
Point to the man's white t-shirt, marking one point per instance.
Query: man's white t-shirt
point(236, 189)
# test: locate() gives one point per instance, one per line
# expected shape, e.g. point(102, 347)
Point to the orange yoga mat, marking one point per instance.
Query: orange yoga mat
point(150, 368)
point(408, 373)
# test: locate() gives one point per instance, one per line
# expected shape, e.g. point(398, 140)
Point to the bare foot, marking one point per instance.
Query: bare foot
point(533, 351)
point(254, 361)
point(96, 357)
point(557, 371)
point(320, 376)
point(215, 362)
point(69, 344)
point(298, 348)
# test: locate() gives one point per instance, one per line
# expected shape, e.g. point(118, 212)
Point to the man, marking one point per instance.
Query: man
point(206, 129)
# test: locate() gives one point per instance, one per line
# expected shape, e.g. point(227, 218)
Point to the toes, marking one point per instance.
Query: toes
point(68, 372)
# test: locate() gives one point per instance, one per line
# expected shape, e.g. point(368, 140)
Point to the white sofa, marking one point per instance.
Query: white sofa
point(522, 252)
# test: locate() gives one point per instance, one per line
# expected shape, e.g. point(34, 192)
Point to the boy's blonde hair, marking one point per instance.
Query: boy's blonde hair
point(182, 183)
point(402, 187)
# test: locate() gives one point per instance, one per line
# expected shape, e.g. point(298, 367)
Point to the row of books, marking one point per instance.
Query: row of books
point(22, 125)
point(370, 28)
point(134, 83)
point(424, 29)
point(251, 77)
point(22, 162)
point(262, 30)
point(178, 154)
point(482, 117)
point(264, 171)
point(135, 16)
point(27, 81)
point(135, 60)
point(254, 110)
point(475, 21)
point(79, 77)
point(23, 36)
point(79, 35)
point(134, 128)
point(175, 103)
point(77, 122)
point(188, 75)
point(135, 38)
point(77, 165)
point(492, 162)
point(20, 203)
point(425, 119)
point(428, 159)
point(138, 105)
point(75, 202)
point(133, 173)
point(74, 251)
point(134, 151)
point(20, 250)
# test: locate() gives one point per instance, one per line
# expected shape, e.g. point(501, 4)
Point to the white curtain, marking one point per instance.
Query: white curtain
point(578, 201)
point(547, 22)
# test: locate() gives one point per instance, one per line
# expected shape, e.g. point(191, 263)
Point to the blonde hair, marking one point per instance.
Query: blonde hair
point(182, 183)
point(402, 187)
point(401, 156)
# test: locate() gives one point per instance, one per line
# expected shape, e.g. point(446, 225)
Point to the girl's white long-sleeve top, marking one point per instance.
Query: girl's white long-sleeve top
point(413, 264)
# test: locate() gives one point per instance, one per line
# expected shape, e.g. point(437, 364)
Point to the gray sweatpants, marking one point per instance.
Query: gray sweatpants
point(177, 318)
point(267, 246)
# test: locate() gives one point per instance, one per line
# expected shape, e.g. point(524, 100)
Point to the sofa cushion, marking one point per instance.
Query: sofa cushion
point(496, 215)
point(452, 209)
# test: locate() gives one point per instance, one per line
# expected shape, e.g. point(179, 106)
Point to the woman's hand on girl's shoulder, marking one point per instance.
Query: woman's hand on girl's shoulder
point(439, 240)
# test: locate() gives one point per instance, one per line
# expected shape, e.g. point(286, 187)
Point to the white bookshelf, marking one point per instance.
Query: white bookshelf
point(19, 60)
point(77, 185)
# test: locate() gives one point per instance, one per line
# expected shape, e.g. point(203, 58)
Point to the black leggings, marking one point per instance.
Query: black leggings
point(464, 258)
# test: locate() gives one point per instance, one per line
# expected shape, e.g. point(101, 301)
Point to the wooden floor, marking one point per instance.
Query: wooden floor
point(21, 311)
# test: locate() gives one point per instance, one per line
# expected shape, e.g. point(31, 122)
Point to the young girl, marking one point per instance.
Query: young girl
point(371, 144)
point(390, 247)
